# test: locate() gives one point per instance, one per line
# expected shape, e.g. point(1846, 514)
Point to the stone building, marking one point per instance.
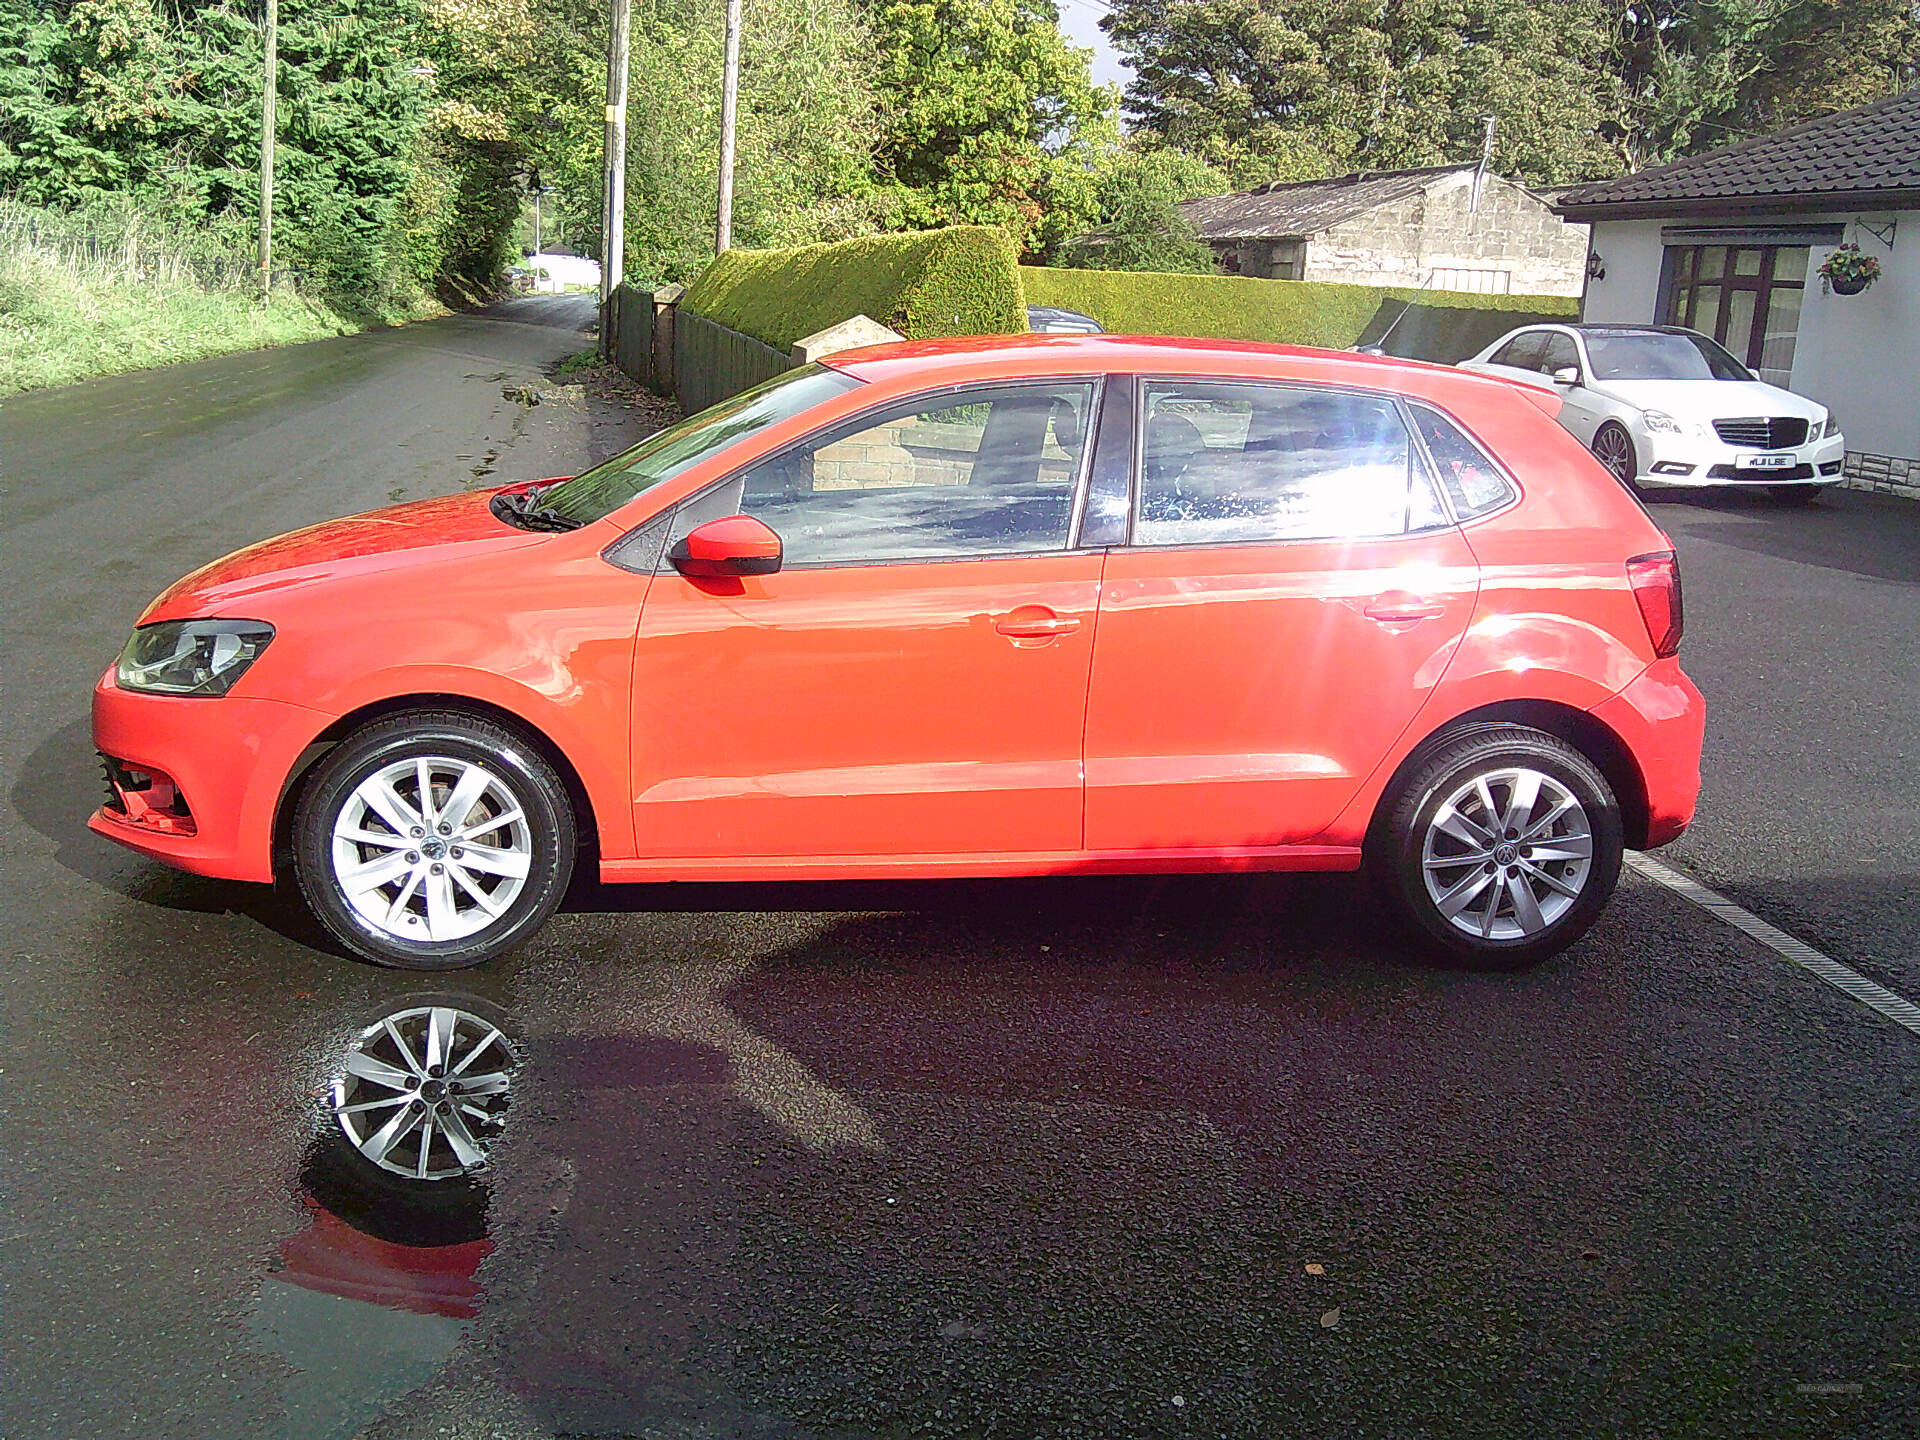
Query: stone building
point(1435, 227)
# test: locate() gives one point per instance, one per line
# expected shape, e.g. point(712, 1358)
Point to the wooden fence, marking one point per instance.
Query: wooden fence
point(711, 362)
point(629, 321)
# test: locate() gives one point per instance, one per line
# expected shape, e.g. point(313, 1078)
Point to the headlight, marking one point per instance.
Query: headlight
point(191, 657)
point(1661, 423)
point(1831, 428)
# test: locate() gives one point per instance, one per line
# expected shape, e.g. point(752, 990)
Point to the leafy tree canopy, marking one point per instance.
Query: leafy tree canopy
point(1580, 88)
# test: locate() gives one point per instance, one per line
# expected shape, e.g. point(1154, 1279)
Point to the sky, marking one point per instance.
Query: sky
point(1081, 20)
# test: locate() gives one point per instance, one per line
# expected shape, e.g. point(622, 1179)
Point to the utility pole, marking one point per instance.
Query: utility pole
point(538, 192)
point(613, 205)
point(268, 83)
point(1480, 173)
point(729, 109)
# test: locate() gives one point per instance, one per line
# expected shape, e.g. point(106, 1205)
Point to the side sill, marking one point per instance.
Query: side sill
point(1227, 859)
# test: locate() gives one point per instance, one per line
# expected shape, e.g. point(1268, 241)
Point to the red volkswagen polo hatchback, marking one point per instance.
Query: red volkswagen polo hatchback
point(1013, 606)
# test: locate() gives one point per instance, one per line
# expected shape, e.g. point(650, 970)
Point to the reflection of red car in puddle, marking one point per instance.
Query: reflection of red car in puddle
point(334, 1258)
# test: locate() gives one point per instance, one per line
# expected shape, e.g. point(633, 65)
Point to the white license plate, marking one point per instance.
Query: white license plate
point(1766, 462)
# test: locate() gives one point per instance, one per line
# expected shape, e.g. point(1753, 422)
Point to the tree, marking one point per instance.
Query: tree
point(987, 114)
point(1139, 225)
point(1295, 88)
point(1693, 74)
point(807, 125)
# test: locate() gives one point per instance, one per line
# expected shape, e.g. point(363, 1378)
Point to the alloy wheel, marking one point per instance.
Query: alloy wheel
point(1507, 854)
point(423, 1091)
point(1614, 447)
point(431, 849)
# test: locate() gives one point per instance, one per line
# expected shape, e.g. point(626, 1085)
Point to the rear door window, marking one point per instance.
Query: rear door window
point(1226, 463)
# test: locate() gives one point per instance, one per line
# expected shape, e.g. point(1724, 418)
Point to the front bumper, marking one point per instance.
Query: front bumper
point(1662, 718)
point(222, 764)
point(1695, 461)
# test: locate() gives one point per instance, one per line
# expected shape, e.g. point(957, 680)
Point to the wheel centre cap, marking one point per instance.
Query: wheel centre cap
point(433, 1090)
point(433, 849)
point(1505, 853)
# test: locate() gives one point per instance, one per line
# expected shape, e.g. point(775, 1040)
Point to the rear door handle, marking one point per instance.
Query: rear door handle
point(1398, 607)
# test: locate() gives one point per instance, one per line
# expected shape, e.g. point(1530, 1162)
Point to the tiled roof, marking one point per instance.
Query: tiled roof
point(1305, 207)
point(1865, 154)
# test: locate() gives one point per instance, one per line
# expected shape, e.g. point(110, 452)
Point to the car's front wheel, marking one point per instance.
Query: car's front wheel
point(433, 841)
point(1613, 447)
point(1502, 847)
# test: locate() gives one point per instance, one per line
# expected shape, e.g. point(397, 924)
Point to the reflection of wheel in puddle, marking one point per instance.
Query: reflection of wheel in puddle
point(423, 1091)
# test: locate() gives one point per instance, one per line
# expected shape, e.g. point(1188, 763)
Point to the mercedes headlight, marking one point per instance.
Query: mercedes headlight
point(191, 657)
point(1831, 428)
point(1658, 422)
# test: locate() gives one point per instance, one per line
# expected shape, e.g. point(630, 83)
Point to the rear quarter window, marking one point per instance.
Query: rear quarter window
point(1472, 481)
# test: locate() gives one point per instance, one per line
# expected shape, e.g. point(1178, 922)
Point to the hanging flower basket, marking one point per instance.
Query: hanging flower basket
point(1847, 272)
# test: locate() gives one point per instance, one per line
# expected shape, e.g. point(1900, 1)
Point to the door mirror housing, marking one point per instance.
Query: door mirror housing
point(731, 546)
point(1567, 375)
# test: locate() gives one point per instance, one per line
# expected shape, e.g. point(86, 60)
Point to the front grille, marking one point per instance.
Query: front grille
point(1765, 477)
point(1777, 432)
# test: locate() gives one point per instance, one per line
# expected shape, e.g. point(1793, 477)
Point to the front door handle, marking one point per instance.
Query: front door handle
point(1397, 607)
point(1035, 623)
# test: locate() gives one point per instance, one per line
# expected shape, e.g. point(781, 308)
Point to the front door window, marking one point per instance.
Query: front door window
point(1745, 296)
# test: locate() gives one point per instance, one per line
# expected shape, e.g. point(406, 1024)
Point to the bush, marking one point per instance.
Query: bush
point(958, 281)
point(1438, 325)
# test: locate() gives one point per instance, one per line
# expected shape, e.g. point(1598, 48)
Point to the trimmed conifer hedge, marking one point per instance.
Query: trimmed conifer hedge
point(1444, 326)
point(962, 280)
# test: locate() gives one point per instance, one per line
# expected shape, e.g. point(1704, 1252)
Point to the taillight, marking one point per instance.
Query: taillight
point(1656, 585)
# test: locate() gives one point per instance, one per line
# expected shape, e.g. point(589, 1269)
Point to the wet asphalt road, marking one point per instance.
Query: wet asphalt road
point(1009, 1160)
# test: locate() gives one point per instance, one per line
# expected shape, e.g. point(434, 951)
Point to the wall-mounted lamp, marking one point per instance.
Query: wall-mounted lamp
point(1596, 267)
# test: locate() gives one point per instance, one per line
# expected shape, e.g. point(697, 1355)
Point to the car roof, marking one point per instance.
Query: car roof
point(1599, 328)
point(962, 358)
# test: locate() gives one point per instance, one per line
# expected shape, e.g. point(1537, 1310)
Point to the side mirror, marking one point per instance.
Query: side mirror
point(1567, 375)
point(733, 545)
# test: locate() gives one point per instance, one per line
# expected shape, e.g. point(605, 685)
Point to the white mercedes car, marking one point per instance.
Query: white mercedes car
point(1662, 406)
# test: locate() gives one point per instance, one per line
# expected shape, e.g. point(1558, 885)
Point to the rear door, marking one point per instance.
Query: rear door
point(913, 681)
point(1290, 596)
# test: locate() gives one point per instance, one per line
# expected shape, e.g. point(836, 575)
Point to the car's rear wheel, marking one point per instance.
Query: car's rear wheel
point(1795, 494)
point(1501, 848)
point(433, 841)
point(1613, 447)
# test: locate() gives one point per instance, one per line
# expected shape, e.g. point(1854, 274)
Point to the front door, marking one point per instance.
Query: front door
point(1292, 593)
point(913, 680)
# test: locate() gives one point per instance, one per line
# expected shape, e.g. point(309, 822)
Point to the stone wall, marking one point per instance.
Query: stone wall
point(1513, 234)
point(1888, 474)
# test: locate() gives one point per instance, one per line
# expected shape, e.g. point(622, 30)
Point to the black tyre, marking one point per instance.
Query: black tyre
point(1500, 847)
point(1613, 447)
point(469, 875)
point(1795, 494)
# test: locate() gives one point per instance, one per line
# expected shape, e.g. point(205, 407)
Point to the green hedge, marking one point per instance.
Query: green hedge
point(962, 280)
point(1440, 325)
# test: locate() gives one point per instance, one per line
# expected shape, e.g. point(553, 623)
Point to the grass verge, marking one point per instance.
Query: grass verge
point(72, 308)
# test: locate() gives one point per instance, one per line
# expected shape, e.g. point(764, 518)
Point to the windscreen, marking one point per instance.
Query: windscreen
point(600, 491)
point(1659, 355)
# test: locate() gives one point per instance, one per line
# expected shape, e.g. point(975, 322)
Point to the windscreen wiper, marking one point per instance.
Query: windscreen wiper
point(521, 509)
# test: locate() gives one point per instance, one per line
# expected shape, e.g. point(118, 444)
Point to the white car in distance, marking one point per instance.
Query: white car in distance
point(1665, 407)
